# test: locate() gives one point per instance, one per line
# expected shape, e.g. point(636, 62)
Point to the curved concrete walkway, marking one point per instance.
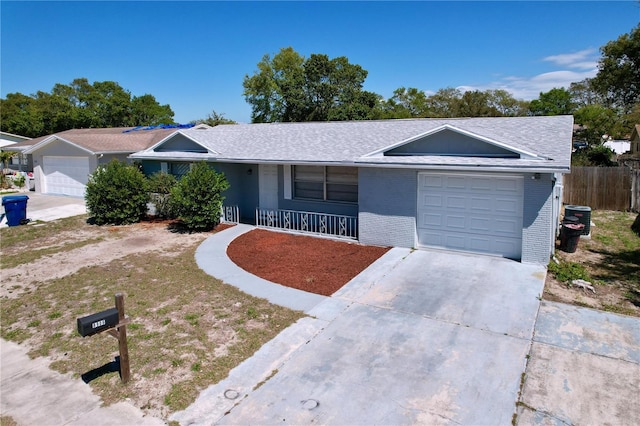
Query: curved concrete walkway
point(212, 258)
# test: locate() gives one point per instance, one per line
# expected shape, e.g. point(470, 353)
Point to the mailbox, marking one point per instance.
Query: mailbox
point(98, 322)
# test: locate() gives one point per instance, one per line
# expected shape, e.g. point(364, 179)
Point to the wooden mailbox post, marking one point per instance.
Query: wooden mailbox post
point(112, 321)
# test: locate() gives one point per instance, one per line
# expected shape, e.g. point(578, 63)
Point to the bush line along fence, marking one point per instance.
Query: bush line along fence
point(605, 188)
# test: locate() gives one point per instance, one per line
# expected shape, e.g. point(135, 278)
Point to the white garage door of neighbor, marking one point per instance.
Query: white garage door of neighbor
point(474, 213)
point(65, 175)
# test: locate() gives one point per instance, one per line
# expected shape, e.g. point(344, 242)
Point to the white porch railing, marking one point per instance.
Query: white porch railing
point(331, 225)
point(230, 214)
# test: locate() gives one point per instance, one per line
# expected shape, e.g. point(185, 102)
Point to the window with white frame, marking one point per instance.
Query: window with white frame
point(330, 183)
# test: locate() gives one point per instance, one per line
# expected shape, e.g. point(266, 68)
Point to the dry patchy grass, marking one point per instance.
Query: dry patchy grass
point(188, 329)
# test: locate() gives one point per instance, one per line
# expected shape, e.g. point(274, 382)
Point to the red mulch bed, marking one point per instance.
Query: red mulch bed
point(312, 264)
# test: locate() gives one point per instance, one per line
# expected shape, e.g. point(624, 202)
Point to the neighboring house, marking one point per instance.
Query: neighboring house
point(480, 185)
point(632, 158)
point(618, 146)
point(7, 140)
point(62, 162)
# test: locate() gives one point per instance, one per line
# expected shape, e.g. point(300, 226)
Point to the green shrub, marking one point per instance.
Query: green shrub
point(160, 186)
point(19, 181)
point(568, 271)
point(197, 197)
point(117, 194)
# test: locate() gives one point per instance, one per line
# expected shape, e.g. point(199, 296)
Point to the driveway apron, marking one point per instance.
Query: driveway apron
point(419, 337)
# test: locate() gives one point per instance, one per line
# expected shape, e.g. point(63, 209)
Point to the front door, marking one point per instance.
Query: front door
point(268, 186)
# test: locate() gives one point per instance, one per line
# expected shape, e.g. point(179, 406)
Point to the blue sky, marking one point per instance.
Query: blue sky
point(194, 55)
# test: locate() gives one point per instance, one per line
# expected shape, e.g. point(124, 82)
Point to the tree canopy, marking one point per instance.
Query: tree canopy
point(79, 105)
point(289, 88)
point(618, 78)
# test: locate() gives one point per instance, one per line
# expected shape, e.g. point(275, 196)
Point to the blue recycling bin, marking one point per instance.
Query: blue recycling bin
point(15, 208)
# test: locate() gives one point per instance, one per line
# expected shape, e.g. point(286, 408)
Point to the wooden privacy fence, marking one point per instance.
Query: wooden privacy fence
point(605, 188)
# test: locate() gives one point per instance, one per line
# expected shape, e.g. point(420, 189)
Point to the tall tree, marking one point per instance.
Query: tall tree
point(79, 105)
point(289, 87)
point(556, 101)
point(445, 103)
point(618, 78)
point(20, 115)
point(145, 109)
point(406, 103)
point(595, 121)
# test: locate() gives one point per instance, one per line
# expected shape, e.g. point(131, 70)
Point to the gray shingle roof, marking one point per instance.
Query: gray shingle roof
point(351, 141)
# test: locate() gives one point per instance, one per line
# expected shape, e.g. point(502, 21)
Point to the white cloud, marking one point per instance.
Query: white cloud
point(574, 67)
point(584, 59)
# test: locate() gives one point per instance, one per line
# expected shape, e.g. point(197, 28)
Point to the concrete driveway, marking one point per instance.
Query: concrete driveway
point(420, 337)
point(41, 207)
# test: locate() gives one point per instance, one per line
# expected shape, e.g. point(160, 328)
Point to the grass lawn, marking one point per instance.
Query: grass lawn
point(187, 329)
point(610, 260)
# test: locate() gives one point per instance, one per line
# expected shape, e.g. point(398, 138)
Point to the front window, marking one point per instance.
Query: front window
point(329, 183)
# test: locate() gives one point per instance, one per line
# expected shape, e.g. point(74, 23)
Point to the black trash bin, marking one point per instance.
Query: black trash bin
point(15, 208)
point(570, 236)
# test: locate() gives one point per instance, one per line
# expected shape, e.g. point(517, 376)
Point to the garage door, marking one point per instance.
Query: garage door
point(65, 175)
point(475, 213)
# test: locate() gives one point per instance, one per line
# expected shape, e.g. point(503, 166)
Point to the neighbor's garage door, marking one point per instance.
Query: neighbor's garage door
point(475, 213)
point(65, 175)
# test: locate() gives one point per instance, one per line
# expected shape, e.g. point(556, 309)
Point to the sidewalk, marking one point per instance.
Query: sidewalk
point(33, 394)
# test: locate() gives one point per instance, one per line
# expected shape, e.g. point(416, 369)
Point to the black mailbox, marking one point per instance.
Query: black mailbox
point(95, 323)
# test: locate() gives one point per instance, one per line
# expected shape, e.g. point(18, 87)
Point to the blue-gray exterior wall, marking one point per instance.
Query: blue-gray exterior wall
point(387, 199)
point(538, 217)
point(243, 188)
point(388, 203)
point(450, 142)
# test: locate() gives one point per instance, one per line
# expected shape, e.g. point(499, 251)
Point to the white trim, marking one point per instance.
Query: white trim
point(52, 139)
point(164, 167)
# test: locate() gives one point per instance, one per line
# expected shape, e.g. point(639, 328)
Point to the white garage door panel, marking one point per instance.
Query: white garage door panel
point(478, 213)
point(66, 175)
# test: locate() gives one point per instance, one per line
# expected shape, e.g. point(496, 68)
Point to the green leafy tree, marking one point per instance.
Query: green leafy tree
point(476, 104)
point(19, 114)
point(505, 104)
point(5, 156)
point(290, 88)
point(595, 121)
point(79, 105)
point(583, 94)
point(554, 102)
point(618, 78)
point(197, 197)
point(214, 119)
point(445, 103)
point(406, 103)
point(117, 194)
point(593, 156)
point(145, 109)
